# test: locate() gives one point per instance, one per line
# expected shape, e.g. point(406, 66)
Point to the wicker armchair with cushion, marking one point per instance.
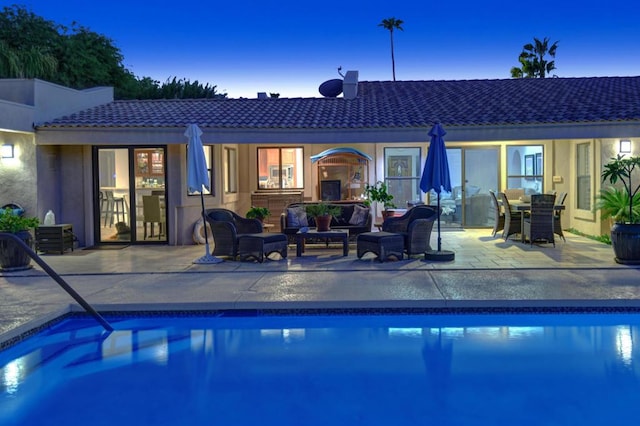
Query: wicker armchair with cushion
point(415, 226)
point(227, 227)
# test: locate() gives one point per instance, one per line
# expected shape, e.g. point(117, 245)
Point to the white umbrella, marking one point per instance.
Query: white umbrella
point(197, 179)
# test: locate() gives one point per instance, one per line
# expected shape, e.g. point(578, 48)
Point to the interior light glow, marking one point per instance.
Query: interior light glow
point(7, 150)
point(624, 344)
point(12, 375)
point(405, 332)
point(625, 146)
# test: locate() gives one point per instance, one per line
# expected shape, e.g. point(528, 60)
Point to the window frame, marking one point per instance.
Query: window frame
point(415, 155)
point(230, 170)
point(281, 170)
point(581, 179)
point(530, 158)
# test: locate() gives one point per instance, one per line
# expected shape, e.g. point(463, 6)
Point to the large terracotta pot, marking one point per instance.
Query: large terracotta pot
point(323, 223)
point(625, 239)
point(12, 256)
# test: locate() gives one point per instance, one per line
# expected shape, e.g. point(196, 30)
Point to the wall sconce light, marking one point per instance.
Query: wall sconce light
point(625, 146)
point(7, 150)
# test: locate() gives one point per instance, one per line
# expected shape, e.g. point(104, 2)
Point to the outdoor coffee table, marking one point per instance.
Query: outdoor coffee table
point(301, 237)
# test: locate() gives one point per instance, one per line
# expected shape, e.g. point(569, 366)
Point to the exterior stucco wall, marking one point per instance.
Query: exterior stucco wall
point(610, 149)
point(62, 186)
point(561, 170)
point(18, 175)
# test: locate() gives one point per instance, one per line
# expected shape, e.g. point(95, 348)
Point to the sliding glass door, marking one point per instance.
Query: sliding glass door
point(130, 195)
point(474, 172)
point(481, 174)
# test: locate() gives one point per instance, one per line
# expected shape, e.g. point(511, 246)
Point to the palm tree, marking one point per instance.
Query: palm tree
point(532, 59)
point(392, 24)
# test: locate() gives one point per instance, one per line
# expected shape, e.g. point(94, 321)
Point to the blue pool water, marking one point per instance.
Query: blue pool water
point(551, 369)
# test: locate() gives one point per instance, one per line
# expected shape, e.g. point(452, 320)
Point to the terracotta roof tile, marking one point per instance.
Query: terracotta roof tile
point(400, 104)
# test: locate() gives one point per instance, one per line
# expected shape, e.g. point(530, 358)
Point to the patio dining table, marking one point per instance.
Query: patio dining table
point(523, 206)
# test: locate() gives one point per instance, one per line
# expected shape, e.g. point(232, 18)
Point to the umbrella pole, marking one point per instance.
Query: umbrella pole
point(439, 238)
point(207, 258)
point(204, 221)
point(439, 255)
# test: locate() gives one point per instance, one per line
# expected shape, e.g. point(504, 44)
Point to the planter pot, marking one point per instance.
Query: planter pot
point(625, 240)
point(323, 223)
point(12, 256)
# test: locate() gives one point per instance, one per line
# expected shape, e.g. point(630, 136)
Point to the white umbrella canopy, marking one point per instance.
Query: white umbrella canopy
point(198, 179)
point(197, 175)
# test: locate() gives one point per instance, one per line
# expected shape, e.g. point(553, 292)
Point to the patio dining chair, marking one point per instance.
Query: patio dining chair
point(512, 219)
point(498, 220)
point(539, 225)
point(557, 216)
point(514, 193)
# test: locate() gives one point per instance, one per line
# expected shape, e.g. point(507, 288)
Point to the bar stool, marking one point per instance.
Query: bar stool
point(114, 206)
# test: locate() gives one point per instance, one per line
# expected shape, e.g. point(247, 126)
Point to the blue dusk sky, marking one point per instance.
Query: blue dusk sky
point(291, 47)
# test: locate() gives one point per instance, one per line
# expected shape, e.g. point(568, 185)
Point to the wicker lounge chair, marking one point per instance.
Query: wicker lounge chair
point(512, 219)
point(227, 227)
point(415, 226)
point(539, 225)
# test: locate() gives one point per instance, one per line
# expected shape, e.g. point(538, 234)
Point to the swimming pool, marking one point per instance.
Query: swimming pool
point(446, 369)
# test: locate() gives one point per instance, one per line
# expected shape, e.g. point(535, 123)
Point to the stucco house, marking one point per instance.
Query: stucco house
point(92, 160)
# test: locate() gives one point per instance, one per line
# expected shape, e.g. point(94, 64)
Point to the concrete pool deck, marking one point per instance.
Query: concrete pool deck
point(487, 272)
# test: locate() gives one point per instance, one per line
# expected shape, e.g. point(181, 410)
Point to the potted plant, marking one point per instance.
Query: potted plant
point(322, 213)
point(379, 193)
point(12, 256)
point(260, 213)
point(622, 205)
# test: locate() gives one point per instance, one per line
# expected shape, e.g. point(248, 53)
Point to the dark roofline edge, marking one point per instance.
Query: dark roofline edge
point(175, 135)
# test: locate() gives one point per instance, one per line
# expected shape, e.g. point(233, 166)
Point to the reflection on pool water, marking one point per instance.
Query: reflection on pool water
point(328, 370)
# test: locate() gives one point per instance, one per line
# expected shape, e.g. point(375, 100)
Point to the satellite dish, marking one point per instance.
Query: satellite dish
point(331, 88)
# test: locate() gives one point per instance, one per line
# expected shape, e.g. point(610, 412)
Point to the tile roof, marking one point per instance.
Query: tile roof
point(387, 104)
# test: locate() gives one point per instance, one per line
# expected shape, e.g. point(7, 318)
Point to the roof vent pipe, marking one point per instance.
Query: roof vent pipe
point(350, 85)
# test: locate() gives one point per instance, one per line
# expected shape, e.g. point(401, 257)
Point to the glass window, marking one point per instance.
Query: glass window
point(402, 174)
point(280, 168)
point(583, 176)
point(208, 156)
point(525, 168)
point(231, 171)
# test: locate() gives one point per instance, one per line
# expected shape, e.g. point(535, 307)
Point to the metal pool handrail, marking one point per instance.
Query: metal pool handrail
point(61, 282)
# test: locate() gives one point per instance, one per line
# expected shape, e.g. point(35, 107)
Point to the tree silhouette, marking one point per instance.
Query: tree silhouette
point(76, 57)
point(532, 59)
point(392, 24)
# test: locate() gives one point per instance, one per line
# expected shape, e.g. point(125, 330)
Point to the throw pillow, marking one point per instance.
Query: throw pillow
point(359, 216)
point(345, 215)
point(297, 217)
